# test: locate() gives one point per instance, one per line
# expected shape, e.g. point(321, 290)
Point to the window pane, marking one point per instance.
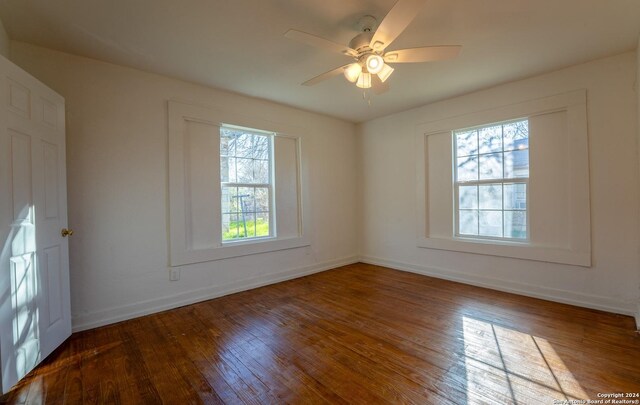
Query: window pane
point(262, 199)
point(244, 226)
point(231, 178)
point(516, 135)
point(491, 196)
point(244, 144)
point(227, 147)
point(515, 224)
point(238, 226)
point(491, 223)
point(261, 147)
point(244, 157)
point(466, 143)
point(229, 227)
point(468, 222)
point(491, 166)
point(490, 139)
point(515, 196)
point(249, 228)
point(228, 203)
point(467, 168)
point(516, 164)
point(244, 170)
point(245, 199)
point(468, 197)
point(224, 169)
point(262, 224)
point(261, 171)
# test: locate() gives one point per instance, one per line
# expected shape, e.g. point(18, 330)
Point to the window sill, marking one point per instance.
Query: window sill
point(517, 250)
point(247, 241)
point(237, 249)
point(490, 241)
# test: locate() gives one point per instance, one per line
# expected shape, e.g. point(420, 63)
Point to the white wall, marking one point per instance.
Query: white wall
point(4, 41)
point(117, 186)
point(388, 233)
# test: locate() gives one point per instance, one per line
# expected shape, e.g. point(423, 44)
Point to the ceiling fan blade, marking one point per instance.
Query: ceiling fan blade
point(325, 76)
point(398, 18)
point(319, 42)
point(378, 86)
point(423, 54)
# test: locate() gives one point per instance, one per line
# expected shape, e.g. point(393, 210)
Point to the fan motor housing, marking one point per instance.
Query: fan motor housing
point(367, 23)
point(361, 42)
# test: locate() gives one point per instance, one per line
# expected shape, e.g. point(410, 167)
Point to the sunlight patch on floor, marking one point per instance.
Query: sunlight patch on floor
point(508, 366)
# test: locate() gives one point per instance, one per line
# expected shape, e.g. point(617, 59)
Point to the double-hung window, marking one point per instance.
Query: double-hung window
point(233, 190)
point(246, 181)
point(491, 178)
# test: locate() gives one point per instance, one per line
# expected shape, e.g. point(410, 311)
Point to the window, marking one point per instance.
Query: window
point(233, 191)
point(246, 183)
point(491, 178)
point(538, 167)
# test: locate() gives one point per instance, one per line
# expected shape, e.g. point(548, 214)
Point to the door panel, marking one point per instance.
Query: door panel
point(19, 99)
point(21, 178)
point(54, 279)
point(35, 314)
point(50, 180)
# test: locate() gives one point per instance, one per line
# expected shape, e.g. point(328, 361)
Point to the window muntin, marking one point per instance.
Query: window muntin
point(491, 176)
point(246, 180)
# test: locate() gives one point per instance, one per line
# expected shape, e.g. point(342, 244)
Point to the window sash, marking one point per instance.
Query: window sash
point(502, 209)
point(268, 186)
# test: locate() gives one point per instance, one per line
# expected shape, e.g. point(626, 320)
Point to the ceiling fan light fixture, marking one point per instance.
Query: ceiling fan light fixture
point(374, 63)
point(352, 72)
point(367, 49)
point(364, 81)
point(385, 72)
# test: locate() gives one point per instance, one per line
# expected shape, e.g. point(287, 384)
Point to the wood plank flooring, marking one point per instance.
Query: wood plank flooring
point(357, 334)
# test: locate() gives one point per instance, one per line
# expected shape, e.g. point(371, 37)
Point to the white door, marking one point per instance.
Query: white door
point(35, 315)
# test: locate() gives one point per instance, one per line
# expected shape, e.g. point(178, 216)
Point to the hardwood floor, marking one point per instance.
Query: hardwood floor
point(357, 334)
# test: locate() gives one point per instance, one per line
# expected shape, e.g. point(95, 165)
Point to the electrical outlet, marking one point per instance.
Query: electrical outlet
point(174, 274)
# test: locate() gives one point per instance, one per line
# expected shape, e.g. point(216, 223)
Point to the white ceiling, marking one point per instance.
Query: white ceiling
point(238, 45)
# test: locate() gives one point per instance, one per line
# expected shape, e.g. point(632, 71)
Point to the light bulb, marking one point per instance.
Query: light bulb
point(385, 72)
point(352, 72)
point(364, 81)
point(374, 63)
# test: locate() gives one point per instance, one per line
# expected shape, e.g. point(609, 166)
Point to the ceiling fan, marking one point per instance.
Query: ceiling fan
point(368, 48)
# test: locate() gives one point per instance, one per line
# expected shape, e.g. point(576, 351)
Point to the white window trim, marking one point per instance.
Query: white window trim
point(579, 251)
point(179, 252)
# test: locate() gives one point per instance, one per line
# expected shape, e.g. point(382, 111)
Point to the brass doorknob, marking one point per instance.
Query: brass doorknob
point(66, 232)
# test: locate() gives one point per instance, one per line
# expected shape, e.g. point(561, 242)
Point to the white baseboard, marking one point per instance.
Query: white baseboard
point(546, 293)
point(122, 313)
